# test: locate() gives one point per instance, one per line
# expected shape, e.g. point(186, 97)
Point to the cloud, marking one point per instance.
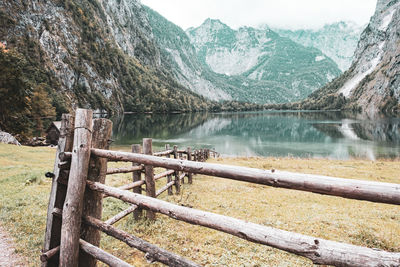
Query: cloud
point(284, 13)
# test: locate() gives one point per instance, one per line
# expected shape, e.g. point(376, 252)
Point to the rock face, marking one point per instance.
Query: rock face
point(178, 54)
point(93, 54)
point(261, 62)
point(7, 138)
point(337, 40)
point(372, 84)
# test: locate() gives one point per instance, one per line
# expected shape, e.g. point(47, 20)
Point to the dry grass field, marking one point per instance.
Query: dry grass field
point(24, 195)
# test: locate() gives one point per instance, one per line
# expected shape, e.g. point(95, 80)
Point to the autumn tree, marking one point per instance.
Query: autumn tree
point(41, 108)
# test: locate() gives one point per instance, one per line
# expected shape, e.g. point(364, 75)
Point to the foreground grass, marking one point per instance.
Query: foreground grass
point(24, 195)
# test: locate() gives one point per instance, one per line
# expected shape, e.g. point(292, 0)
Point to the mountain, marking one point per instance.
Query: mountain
point(179, 55)
point(372, 84)
point(337, 40)
point(93, 54)
point(269, 68)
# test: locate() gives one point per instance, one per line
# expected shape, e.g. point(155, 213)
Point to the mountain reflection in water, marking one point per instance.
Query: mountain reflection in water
point(300, 134)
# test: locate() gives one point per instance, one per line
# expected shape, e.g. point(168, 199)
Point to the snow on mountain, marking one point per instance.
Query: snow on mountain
point(372, 83)
point(266, 63)
point(338, 40)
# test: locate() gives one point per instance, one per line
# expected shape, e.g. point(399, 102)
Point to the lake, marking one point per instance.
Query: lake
point(268, 133)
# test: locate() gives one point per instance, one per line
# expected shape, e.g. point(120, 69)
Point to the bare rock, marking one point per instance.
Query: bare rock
point(7, 138)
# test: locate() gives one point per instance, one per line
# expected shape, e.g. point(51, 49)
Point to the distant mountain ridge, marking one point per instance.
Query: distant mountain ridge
point(337, 40)
point(267, 67)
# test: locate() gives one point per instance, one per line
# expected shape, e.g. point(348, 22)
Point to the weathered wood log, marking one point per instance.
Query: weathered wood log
point(163, 174)
point(133, 185)
point(176, 174)
point(149, 176)
point(65, 156)
point(73, 205)
point(130, 186)
point(124, 170)
point(169, 177)
point(137, 177)
point(65, 165)
point(189, 157)
point(49, 254)
point(57, 212)
point(63, 180)
point(182, 176)
point(163, 153)
point(348, 188)
point(93, 201)
point(102, 255)
point(164, 188)
point(152, 252)
point(182, 179)
point(319, 251)
point(121, 215)
point(58, 190)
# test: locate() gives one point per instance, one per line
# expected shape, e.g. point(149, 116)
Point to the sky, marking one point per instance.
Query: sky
point(291, 14)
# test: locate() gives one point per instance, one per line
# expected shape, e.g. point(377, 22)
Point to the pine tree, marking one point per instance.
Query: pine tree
point(15, 90)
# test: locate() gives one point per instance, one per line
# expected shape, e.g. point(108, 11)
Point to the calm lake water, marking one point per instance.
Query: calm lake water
point(299, 134)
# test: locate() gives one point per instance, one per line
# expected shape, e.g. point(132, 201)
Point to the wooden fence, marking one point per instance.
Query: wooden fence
point(73, 223)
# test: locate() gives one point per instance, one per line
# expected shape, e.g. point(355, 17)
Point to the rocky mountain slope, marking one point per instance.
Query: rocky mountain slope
point(372, 84)
point(337, 40)
point(97, 54)
point(261, 62)
point(179, 55)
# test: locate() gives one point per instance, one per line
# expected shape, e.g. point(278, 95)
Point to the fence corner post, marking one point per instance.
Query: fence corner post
point(176, 174)
point(137, 176)
point(149, 176)
point(169, 176)
point(58, 191)
point(93, 201)
point(73, 205)
point(189, 157)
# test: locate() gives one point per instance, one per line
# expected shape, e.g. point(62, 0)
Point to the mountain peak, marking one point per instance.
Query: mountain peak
point(214, 23)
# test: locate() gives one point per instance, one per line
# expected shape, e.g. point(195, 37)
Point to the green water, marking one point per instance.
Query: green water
point(299, 134)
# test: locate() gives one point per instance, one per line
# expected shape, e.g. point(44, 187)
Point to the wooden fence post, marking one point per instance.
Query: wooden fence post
point(149, 176)
point(58, 191)
point(177, 181)
point(93, 201)
point(169, 176)
point(189, 157)
point(137, 176)
point(73, 205)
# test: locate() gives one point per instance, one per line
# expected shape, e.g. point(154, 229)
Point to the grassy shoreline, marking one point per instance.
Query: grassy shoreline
point(24, 193)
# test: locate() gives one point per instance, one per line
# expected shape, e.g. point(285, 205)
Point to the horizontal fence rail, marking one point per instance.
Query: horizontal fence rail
point(347, 188)
point(153, 253)
point(73, 225)
point(102, 255)
point(319, 251)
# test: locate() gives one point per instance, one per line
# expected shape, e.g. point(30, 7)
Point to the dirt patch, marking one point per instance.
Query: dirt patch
point(8, 257)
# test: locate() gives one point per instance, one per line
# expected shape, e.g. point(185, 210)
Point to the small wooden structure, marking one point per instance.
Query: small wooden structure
point(73, 224)
point(53, 133)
